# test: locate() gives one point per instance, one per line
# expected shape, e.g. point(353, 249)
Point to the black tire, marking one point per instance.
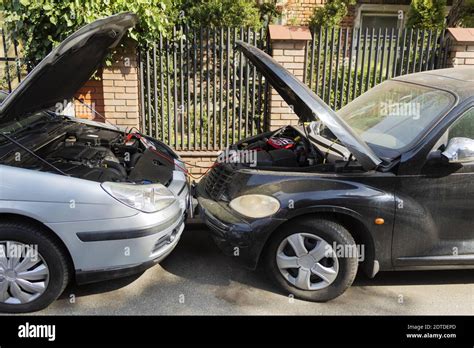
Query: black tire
point(329, 231)
point(53, 255)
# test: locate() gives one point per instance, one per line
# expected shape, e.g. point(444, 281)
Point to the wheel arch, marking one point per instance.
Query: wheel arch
point(24, 219)
point(351, 221)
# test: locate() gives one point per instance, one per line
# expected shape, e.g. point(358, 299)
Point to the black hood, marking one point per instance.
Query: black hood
point(58, 76)
point(307, 105)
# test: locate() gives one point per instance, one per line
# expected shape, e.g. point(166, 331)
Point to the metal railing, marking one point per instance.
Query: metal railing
point(198, 93)
point(11, 69)
point(343, 63)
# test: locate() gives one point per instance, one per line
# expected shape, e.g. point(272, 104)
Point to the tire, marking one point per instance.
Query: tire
point(51, 281)
point(299, 276)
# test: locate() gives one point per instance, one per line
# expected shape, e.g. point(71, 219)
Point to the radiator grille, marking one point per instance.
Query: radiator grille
point(218, 180)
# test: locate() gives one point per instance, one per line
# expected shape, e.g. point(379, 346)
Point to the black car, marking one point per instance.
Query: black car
point(386, 183)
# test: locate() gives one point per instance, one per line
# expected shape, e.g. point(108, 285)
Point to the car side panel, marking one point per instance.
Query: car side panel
point(433, 220)
point(364, 196)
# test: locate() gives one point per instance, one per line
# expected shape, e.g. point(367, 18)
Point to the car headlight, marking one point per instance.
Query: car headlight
point(146, 198)
point(255, 206)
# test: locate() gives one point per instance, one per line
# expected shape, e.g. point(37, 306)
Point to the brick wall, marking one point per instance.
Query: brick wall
point(461, 47)
point(299, 11)
point(200, 158)
point(348, 20)
point(288, 45)
point(115, 92)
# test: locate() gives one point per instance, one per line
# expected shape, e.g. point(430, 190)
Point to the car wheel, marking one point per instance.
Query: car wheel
point(33, 268)
point(305, 260)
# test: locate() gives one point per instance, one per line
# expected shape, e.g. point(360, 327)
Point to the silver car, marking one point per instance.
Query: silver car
point(79, 199)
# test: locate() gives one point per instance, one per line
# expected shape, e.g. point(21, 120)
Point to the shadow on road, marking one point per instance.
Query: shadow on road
point(99, 288)
point(196, 258)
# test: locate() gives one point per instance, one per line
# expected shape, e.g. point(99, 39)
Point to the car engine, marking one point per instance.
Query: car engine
point(284, 148)
point(107, 155)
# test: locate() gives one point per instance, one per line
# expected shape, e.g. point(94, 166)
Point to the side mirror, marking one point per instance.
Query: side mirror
point(437, 157)
point(460, 150)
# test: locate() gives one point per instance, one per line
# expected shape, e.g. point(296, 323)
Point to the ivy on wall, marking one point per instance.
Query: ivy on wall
point(427, 14)
point(41, 24)
point(331, 14)
point(216, 13)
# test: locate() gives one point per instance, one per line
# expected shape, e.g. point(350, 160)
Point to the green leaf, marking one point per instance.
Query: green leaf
point(39, 23)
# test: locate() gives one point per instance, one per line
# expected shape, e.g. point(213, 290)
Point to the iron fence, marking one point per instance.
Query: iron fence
point(342, 63)
point(198, 93)
point(11, 68)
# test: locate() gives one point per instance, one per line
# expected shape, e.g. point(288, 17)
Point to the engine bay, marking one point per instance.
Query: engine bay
point(290, 148)
point(100, 154)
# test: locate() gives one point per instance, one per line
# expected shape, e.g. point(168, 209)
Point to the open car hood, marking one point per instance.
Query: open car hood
point(66, 68)
point(307, 105)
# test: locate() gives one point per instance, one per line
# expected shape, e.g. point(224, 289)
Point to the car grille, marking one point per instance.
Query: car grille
point(217, 181)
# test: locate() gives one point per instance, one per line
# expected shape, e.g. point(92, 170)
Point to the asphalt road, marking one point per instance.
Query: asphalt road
point(196, 279)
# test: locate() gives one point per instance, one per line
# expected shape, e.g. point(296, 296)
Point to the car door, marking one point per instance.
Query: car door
point(434, 209)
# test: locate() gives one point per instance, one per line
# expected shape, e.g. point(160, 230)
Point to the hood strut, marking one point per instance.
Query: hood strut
point(32, 153)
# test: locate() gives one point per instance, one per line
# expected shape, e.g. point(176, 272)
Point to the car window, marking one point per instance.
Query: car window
point(394, 114)
point(463, 127)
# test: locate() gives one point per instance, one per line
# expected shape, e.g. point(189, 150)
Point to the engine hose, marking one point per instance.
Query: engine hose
point(116, 166)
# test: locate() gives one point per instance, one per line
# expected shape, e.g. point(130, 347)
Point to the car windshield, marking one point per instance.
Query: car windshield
point(394, 114)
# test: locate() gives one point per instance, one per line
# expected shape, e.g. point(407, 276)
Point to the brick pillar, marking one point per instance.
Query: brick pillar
point(91, 96)
point(288, 44)
point(461, 47)
point(115, 92)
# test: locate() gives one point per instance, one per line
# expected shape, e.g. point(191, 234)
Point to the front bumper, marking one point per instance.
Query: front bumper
point(235, 236)
point(162, 247)
point(112, 248)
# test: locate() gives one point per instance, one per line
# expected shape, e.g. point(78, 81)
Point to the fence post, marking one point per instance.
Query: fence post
point(461, 50)
point(115, 94)
point(288, 47)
